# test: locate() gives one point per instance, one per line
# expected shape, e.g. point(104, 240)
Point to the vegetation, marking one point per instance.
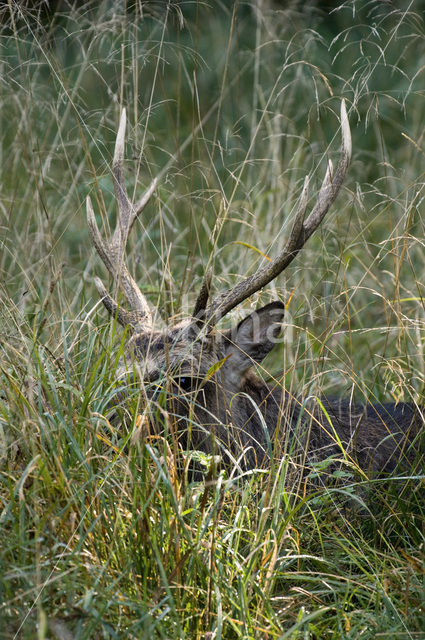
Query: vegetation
point(104, 534)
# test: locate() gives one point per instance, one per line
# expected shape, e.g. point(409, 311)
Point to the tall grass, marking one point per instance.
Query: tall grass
point(104, 535)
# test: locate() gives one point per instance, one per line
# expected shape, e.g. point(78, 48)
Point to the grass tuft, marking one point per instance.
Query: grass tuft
point(104, 532)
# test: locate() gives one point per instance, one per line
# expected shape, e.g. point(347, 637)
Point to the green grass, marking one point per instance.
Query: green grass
point(105, 535)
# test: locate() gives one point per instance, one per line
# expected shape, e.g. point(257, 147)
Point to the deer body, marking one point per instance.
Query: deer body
point(233, 413)
point(203, 377)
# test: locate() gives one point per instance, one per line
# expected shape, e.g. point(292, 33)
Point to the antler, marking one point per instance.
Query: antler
point(112, 253)
point(300, 233)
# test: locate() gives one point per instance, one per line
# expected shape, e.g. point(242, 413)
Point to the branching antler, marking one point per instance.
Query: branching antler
point(112, 253)
point(300, 233)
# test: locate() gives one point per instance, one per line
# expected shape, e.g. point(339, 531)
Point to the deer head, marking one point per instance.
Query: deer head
point(207, 373)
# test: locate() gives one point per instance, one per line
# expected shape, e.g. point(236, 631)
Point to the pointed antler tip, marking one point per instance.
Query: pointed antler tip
point(123, 118)
point(120, 139)
point(345, 129)
point(89, 210)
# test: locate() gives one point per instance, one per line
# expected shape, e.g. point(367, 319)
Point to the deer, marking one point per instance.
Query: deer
point(203, 378)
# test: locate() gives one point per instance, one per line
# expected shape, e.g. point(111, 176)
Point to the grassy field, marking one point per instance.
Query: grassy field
point(232, 103)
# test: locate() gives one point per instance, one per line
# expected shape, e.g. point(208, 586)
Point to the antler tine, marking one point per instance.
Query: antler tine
point(127, 212)
point(123, 202)
point(112, 252)
point(203, 295)
point(124, 317)
point(331, 185)
point(143, 201)
point(299, 220)
point(140, 316)
point(300, 232)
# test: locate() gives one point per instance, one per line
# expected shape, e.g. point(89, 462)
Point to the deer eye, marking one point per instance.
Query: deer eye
point(185, 383)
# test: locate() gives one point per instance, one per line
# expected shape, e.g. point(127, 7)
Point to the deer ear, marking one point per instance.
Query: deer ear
point(256, 335)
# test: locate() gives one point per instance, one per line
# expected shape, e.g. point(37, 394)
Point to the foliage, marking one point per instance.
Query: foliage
point(104, 533)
